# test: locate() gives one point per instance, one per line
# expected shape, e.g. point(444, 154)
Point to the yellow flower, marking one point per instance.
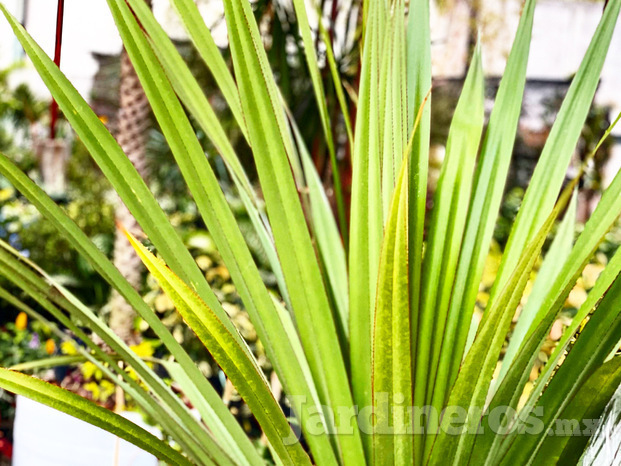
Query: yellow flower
point(21, 321)
point(6, 194)
point(144, 349)
point(68, 348)
point(94, 389)
point(91, 371)
point(50, 346)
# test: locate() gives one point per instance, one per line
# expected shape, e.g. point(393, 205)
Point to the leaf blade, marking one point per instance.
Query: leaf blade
point(243, 370)
point(76, 406)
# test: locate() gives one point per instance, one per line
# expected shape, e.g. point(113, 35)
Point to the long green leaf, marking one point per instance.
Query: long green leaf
point(271, 143)
point(603, 217)
point(50, 294)
point(489, 184)
point(223, 425)
point(392, 372)
point(244, 372)
point(328, 239)
point(218, 217)
point(338, 83)
point(418, 87)
point(586, 406)
point(209, 52)
point(445, 234)
point(47, 363)
point(194, 99)
point(118, 169)
point(603, 283)
point(549, 174)
point(108, 365)
point(551, 267)
point(76, 406)
point(315, 75)
point(394, 106)
point(169, 423)
point(600, 335)
point(366, 214)
point(472, 384)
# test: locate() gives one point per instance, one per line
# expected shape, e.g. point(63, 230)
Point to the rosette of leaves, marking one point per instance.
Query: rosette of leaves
point(375, 312)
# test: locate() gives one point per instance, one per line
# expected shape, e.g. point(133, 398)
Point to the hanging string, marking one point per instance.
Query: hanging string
point(58, 45)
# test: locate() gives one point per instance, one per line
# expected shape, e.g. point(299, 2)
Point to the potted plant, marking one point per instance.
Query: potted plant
point(370, 333)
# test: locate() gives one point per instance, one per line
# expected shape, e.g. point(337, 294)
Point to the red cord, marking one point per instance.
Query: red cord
point(58, 45)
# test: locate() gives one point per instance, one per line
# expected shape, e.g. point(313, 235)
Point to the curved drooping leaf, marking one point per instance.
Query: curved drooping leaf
point(52, 297)
point(243, 371)
point(108, 364)
point(81, 408)
point(223, 425)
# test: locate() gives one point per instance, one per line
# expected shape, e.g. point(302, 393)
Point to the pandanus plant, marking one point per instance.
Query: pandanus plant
point(369, 335)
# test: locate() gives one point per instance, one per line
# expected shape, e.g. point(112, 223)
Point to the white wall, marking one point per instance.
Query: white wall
point(88, 27)
point(561, 33)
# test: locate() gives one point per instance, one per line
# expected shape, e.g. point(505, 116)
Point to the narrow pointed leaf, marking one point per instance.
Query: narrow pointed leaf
point(366, 214)
point(472, 384)
point(209, 52)
point(599, 337)
point(328, 239)
point(195, 100)
point(50, 295)
point(601, 220)
point(272, 146)
point(101, 264)
point(445, 234)
point(392, 372)
point(586, 406)
point(488, 189)
point(315, 75)
point(118, 169)
point(552, 165)
point(218, 217)
point(418, 87)
point(551, 267)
